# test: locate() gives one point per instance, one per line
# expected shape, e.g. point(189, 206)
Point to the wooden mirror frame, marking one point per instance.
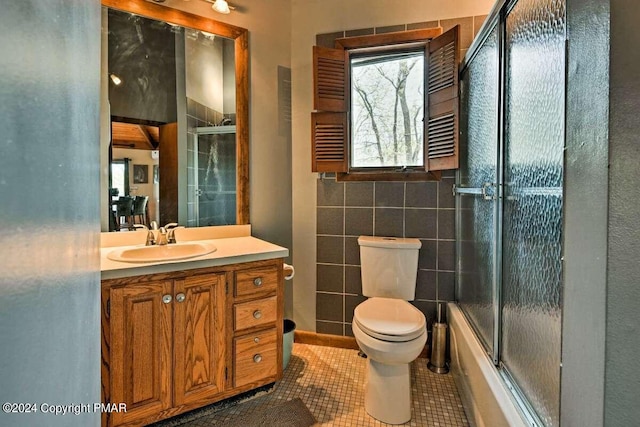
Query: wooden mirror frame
point(240, 37)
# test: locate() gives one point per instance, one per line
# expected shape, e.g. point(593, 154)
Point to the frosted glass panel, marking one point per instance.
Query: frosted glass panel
point(476, 231)
point(532, 269)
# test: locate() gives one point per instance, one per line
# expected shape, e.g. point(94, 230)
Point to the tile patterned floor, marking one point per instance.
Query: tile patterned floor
point(330, 382)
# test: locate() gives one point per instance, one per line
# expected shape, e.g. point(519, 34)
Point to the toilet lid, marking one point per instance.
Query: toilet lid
point(389, 319)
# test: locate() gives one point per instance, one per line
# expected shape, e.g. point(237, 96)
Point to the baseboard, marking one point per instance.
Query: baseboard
point(327, 340)
point(313, 338)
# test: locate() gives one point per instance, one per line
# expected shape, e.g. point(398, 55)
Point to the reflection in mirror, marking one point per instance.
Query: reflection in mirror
point(178, 110)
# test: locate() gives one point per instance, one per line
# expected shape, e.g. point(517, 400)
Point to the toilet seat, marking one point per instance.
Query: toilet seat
point(389, 319)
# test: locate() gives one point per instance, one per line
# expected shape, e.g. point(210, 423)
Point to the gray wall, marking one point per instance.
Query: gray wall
point(622, 377)
point(585, 214)
point(346, 210)
point(49, 214)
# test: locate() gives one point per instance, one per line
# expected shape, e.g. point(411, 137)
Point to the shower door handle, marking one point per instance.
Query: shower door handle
point(487, 191)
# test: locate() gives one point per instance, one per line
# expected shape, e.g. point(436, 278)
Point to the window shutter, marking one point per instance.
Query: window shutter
point(329, 127)
point(442, 124)
point(329, 132)
point(330, 71)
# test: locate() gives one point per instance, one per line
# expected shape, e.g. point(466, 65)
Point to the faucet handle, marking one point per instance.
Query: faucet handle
point(171, 225)
point(171, 236)
point(151, 238)
point(142, 226)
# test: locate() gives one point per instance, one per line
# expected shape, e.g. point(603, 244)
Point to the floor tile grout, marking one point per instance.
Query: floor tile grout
point(330, 381)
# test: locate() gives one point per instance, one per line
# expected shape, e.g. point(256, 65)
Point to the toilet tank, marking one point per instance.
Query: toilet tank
point(389, 266)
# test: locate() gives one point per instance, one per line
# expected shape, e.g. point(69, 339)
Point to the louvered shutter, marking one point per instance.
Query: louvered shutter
point(442, 125)
point(329, 127)
point(329, 133)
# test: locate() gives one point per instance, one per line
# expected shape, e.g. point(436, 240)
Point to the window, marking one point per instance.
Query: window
point(387, 110)
point(386, 106)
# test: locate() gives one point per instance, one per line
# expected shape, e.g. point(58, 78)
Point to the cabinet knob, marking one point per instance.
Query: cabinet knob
point(257, 358)
point(257, 281)
point(180, 297)
point(166, 298)
point(257, 314)
point(256, 340)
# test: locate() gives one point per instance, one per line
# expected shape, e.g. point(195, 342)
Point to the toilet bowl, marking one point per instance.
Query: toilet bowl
point(392, 333)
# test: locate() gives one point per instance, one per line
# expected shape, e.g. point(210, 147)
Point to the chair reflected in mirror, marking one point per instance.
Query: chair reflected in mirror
point(124, 213)
point(140, 211)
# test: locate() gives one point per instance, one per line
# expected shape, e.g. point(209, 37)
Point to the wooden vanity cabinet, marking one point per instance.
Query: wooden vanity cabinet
point(173, 342)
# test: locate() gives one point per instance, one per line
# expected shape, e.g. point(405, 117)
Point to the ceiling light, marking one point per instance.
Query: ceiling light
point(115, 79)
point(221, 6)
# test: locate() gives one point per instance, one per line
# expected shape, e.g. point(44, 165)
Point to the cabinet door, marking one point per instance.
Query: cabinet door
point(140, 349)
point(199, 338)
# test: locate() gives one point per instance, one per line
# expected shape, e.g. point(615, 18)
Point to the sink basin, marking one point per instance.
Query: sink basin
point(171, 252)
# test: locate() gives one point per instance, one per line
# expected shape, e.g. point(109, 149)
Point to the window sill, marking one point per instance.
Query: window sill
point(389, 176)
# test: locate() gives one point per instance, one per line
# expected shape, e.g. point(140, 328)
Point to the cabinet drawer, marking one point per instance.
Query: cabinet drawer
point(256, 357)
point(255, 313)
point(256, 281)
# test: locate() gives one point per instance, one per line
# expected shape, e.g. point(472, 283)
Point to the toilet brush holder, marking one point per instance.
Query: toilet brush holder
point(437, 362)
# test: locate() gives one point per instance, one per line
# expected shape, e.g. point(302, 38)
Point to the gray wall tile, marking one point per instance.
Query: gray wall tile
point(446, 224)
point(330, 328)
point(389, 222)
point(445, 194)
point(328, 39)
point(359, 32)
point(422, 195)
point(330, 193)
point(428, 254)
point(427, 285)
point(358, 222)
point(330, 221)
point(330, 278)
point(446, 255)
point(350, 303)
point(421, 25)
point(421, 223)
point(352, 280)
point(390, 29)
point(330, 249)
point(446, 286)
point(359, 193)
point(329, 307)
point(389, 194)
point(351, 251)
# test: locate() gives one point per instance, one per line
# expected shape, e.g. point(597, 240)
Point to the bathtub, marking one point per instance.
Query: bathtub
point(485, 397)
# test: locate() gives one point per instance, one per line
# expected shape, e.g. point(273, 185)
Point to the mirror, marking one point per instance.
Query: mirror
point(177, 135)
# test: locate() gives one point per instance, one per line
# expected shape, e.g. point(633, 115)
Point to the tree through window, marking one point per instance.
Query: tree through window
point(387, 107)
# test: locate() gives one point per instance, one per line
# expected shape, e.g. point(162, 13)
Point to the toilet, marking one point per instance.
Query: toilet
point(387, 328)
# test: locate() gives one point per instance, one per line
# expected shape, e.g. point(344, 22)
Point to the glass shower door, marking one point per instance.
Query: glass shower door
point(212, 177)
point(532, 229)
point(478, 209)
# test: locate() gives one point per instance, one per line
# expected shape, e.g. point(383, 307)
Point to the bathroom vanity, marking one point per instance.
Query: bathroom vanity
point(183, 334)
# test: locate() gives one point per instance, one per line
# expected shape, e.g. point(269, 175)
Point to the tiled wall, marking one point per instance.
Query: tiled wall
point(346, 210)
point(216, 168)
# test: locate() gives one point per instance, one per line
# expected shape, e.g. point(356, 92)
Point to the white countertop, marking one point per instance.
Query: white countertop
point(230, 250)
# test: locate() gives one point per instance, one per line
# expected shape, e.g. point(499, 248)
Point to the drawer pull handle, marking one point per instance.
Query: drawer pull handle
point(166, 298)
point(256, 340)
point(257, 281)
point(257, 314)
point(180, 297)
point(257, 358)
